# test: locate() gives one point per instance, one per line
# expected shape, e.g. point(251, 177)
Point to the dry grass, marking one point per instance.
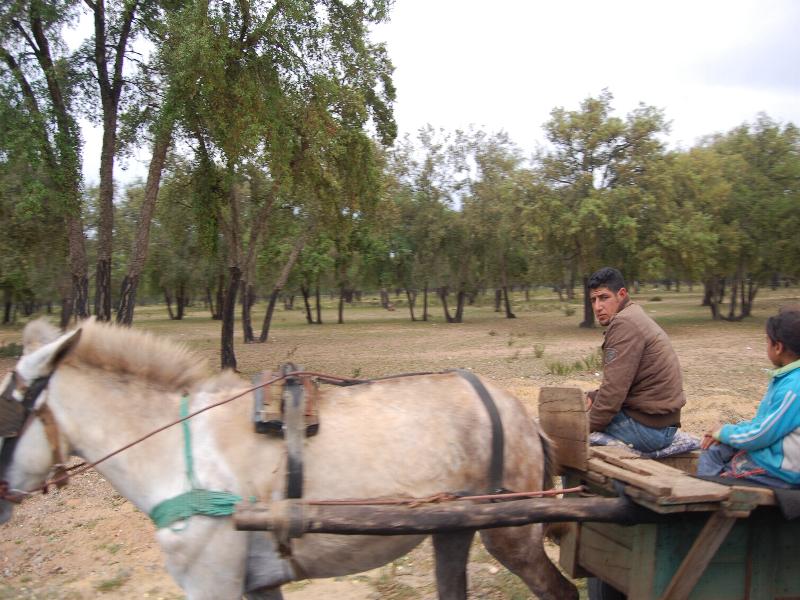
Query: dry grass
point(73, 543)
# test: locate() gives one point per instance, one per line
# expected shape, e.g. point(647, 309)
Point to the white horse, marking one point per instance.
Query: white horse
point(415, 436)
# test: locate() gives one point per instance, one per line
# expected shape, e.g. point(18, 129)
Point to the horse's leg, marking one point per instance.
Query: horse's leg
point(265, 594)
point(452, 552)
point(521, 551)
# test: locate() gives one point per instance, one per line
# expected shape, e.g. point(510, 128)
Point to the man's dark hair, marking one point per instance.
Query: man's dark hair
point(785, 328)
point(607, 277)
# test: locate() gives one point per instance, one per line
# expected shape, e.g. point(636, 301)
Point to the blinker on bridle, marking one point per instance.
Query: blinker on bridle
point(14, 418)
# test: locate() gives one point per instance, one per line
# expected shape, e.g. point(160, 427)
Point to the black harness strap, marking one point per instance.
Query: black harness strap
point(36, 387)
point(498, 441)
point(295, 434)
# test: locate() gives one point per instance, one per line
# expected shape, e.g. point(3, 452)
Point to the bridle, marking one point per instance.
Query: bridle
point(15, 417)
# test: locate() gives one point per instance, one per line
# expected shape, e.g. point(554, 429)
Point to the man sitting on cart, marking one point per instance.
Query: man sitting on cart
point(765, 449)
point(640, 398)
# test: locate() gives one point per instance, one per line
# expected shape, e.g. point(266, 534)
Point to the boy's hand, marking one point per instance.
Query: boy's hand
point(709, 439)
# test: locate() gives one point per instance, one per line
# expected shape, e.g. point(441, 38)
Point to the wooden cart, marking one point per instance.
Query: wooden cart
point(712, 542)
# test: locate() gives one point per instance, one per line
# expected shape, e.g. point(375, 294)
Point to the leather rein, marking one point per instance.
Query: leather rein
point(23, 412)
point(60, 473)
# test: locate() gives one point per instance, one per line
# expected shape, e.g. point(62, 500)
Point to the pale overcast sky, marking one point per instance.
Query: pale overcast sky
point(505, 64)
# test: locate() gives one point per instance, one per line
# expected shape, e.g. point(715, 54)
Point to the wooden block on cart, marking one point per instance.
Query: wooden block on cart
point(562, 416)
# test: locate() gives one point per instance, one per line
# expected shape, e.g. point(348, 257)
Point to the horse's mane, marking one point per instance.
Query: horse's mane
point(127, 351)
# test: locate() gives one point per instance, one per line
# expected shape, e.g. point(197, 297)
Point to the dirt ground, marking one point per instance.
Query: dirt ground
point(86, 541)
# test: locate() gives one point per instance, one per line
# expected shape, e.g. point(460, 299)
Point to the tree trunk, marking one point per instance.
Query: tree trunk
point(102, 289)
point(110, 83)
point(318, 301)
point(411, 295)
point(342, 293)
point(210, 301)
point(279, 285)
point(443, 292)
point(425, 303)
point(220, 297)
point(78, 267)
point(588, 313)
point(64, 289)
point(273, 298)
point(498, 299)
point(247, 303)
point(168, 302)
point(180, 301)
point(306, 292)
point(227, 353)
point(509, 313)
point(130, 283)
point(747, 304)
point(711, 296)
point(734, 298)
point(461, 299)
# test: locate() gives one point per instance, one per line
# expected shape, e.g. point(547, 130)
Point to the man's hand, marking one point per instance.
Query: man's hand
point(589, 401)
point(710, 438)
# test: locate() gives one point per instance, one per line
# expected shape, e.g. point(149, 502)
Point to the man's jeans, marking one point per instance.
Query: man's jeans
point(723, 460)
point(641, 437)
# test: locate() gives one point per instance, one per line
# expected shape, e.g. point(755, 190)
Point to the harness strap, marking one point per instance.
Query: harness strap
point(187, 441)
point(59, 470)
point(196, 501)
point(498, 438)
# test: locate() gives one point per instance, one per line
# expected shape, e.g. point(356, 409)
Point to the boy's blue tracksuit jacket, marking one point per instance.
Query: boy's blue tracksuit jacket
point(772, 437)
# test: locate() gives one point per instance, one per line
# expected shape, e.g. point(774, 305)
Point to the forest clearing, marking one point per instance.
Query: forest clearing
point(86, 541)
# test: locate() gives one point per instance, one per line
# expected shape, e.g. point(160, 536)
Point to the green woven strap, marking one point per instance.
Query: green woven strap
point(194, 502)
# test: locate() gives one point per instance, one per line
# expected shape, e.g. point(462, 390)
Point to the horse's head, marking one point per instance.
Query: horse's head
point(26, 453)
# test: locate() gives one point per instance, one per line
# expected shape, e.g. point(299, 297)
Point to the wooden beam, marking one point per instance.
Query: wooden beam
point(431, 518)
point(702, 551)
point(562, 416)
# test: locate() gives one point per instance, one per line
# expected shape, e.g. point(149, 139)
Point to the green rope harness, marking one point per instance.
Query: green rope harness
point(196, 501)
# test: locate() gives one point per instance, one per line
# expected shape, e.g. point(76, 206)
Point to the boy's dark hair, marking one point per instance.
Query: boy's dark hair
point(606, 277)
point(785, 328)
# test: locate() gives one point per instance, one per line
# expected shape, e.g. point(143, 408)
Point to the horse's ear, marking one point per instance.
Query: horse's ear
point(43, 361)
point(65, 343)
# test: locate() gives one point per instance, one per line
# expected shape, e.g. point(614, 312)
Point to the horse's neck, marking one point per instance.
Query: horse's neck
point(98, 418)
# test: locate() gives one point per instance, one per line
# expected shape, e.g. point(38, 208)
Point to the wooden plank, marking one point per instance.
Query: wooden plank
point(562, 416)
point(702, 551)
point(605, 557)
point(642, 577)
point(647, 483)
point(677, 486)
point(568, 551)
point(756, 495)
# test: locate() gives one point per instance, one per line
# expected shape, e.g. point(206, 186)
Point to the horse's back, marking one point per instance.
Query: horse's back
point(414, 436)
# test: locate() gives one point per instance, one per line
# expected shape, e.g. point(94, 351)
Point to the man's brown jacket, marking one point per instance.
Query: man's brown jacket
point(641, 373)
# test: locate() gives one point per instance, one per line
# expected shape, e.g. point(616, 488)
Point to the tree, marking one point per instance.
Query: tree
point(38, 69)
point(494, 210)
point(248, 72)
point(765, 189)
point(594, 167)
